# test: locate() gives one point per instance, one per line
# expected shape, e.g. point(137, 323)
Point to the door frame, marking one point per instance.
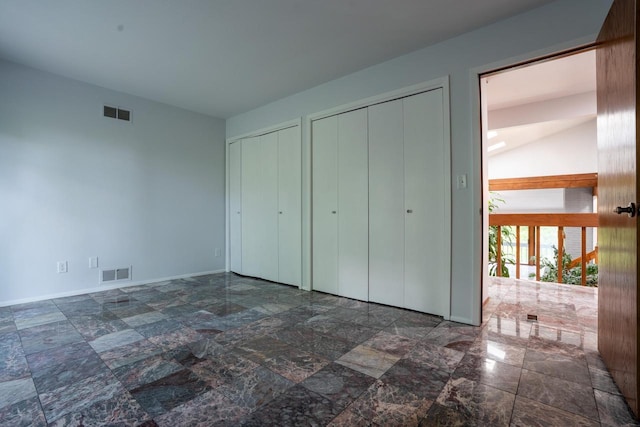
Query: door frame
point(481, 186)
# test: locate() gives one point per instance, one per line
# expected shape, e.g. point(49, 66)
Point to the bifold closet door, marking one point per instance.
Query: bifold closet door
point(409, 259)
point(235, 207)
point(289, 207)
point(260, 206)
point(324, 152)
point(427, 264)
point(353, 205)
point(386, 203)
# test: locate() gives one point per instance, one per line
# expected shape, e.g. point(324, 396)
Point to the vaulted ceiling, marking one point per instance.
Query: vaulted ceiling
point(224, 57)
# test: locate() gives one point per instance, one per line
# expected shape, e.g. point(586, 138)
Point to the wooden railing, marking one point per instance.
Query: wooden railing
point(535, 221)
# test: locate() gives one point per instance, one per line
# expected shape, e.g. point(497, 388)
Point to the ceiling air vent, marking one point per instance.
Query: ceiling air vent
point(117, 113)
point(115, 275)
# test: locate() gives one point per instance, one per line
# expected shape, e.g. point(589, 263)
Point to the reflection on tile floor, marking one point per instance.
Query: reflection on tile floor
point(224, 350)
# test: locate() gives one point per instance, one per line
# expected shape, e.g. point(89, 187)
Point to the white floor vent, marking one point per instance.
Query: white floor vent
point(115, 275)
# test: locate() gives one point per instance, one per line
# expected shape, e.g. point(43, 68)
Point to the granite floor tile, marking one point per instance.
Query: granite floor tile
point(530, 413)
point(27, 413)
point(7, 325)
point(49, 336)
point(559, 366)
point(79, 396)
point(396, 345)
point(224, 349)
point(298, 406)
point(146, 371)
point(489, 372)
point(435, 356)
point(83, 307)
point(415, 379)
point(92, 327)
point(348, 418)
point(41, 319)
point(209, 409)
point(51, 358)
point(253, 388)
point(566, 395)
point(368, 360)
point(602, 380)
point(450, 338)
point(12, 392)
point(67, 372)
point(164, 394)
point(500, 352)
point(115, 339)
point(13, 363)
point(443, 416)
point(484, 404)
point(339, 384)
point(121, 410)
point(172, 340)
point(386, 405)
point(160, 327)
point(613, 410)
point(294, 364)
point(144, 318)
point(129, 353)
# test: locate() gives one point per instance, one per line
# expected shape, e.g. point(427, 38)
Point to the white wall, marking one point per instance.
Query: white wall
point(559, 25)
point(74, 184)
point(571, 151)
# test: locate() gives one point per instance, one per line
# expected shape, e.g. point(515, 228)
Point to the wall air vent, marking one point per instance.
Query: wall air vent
point(116, 113)
point(115, 275)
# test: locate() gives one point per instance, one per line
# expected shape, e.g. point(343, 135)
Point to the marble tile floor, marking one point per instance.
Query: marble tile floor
point(224, 350)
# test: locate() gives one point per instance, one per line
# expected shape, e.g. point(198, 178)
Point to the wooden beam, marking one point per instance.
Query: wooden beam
point(589, 180)
point(546, 219)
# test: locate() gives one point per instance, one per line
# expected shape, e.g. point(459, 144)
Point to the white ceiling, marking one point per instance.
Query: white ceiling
point(224, 57)
point(558, 78)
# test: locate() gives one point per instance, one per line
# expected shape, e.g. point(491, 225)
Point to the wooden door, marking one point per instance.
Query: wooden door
point(616, 58)
point(386, 203)
point(289, 207)
point(426, 251)
point(353, 205)
point(324, 151)
point(235, 207)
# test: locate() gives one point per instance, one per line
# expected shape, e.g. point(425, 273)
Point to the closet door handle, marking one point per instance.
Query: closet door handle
point(333, 212)
point(409, 210)
point(280, 212)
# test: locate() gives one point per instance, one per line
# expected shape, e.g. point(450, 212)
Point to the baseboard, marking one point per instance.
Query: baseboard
point(461, 320)
point(105, 288)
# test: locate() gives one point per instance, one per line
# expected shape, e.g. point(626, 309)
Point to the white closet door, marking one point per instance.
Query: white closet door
point(289, 207)
point(251, 201)
point(324, 151)
point(269, 207)
point(235, 207)
point(353, 205)
point(426, 274)
point(386, 203)
point(260, 207)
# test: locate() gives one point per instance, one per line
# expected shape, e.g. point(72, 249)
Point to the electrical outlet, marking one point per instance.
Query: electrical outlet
point(62, 267)
point(93, 262)
point(218, 252)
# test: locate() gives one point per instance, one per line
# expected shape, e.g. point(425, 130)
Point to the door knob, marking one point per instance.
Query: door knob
point(333, 212)
point(629, 210)
point(409, 210)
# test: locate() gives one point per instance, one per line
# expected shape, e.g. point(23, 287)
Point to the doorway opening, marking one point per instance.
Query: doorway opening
point(539, 167)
